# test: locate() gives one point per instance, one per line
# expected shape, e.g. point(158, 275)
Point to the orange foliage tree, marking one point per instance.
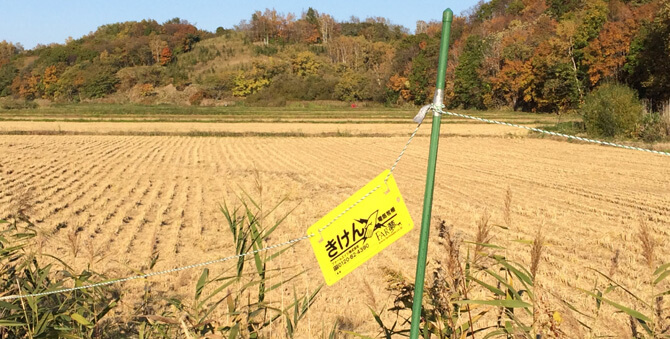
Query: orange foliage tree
point(512, 84)
point(266, 25)
point(606, 55)
point(166, 56)
point(26, 86)
point(400, 85)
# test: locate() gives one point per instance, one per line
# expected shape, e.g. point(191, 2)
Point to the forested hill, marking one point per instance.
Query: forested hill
point(533, 55)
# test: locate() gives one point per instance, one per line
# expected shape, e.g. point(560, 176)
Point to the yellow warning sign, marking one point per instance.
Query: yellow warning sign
point(362, 231)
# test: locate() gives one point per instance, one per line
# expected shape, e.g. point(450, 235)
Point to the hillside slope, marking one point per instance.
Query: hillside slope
point(531, 55)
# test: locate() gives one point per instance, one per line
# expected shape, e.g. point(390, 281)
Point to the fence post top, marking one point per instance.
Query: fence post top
point(448, 15)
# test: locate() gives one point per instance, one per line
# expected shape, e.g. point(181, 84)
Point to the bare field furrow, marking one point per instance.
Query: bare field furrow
point(150, 170)
point(44, 170)
point(54, 181)
point(99, 215)
point(555, 192)
point(120, 199)
point(86, 179)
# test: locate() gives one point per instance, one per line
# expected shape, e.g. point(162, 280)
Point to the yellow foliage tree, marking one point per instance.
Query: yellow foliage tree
point(242, 86)
point(305, 63)
point(49, 80)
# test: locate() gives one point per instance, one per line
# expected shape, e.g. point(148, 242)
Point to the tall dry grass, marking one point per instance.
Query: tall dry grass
point(507, 207)
point(536, 251)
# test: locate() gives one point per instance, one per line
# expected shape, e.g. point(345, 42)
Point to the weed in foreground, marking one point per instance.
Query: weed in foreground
point(647, 315)
point(236, 302)
point(84, 313)
point(239, 302)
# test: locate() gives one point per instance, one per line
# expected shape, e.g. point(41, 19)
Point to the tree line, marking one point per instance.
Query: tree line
point(529, 55)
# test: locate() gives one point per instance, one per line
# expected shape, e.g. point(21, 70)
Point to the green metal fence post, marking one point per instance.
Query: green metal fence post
point(447, 18)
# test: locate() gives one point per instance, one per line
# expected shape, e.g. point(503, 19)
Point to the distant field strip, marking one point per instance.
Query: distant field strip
point(242, 129)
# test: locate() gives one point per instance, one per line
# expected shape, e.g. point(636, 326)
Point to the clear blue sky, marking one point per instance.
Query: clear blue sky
point(30, 22)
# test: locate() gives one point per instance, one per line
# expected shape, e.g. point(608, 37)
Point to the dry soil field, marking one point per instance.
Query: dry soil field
point(112, 200)
point(245, 129)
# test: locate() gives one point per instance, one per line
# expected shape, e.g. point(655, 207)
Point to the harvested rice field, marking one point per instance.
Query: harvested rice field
point(113, 194)
point(247, 129)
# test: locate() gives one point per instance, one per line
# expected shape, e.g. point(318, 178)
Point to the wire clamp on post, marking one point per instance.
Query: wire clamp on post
point(422, 114)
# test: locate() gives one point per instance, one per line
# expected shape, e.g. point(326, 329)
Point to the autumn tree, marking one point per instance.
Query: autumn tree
point(489, 10)
point(533, 9)
point(554, 87)
point(606, 55)
point(352, 87)
point(166, 56)
point(515, 7)
point(8, 71)
point(26, 86)
point(157, 45)
point(258, 78)
point(399, 89)
point(266, 26)
point(379, 61)
point(301, 31)
point(327, 27)
point(590, 21)
point(510, 70)
point(311, 18)
point(7, 51)
point(374, 29)
point(49, 80)
point(511, 85)
point(243, 85)
point(305, 64)
point(421, 27)
point(182, 35)
point(347, 50)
